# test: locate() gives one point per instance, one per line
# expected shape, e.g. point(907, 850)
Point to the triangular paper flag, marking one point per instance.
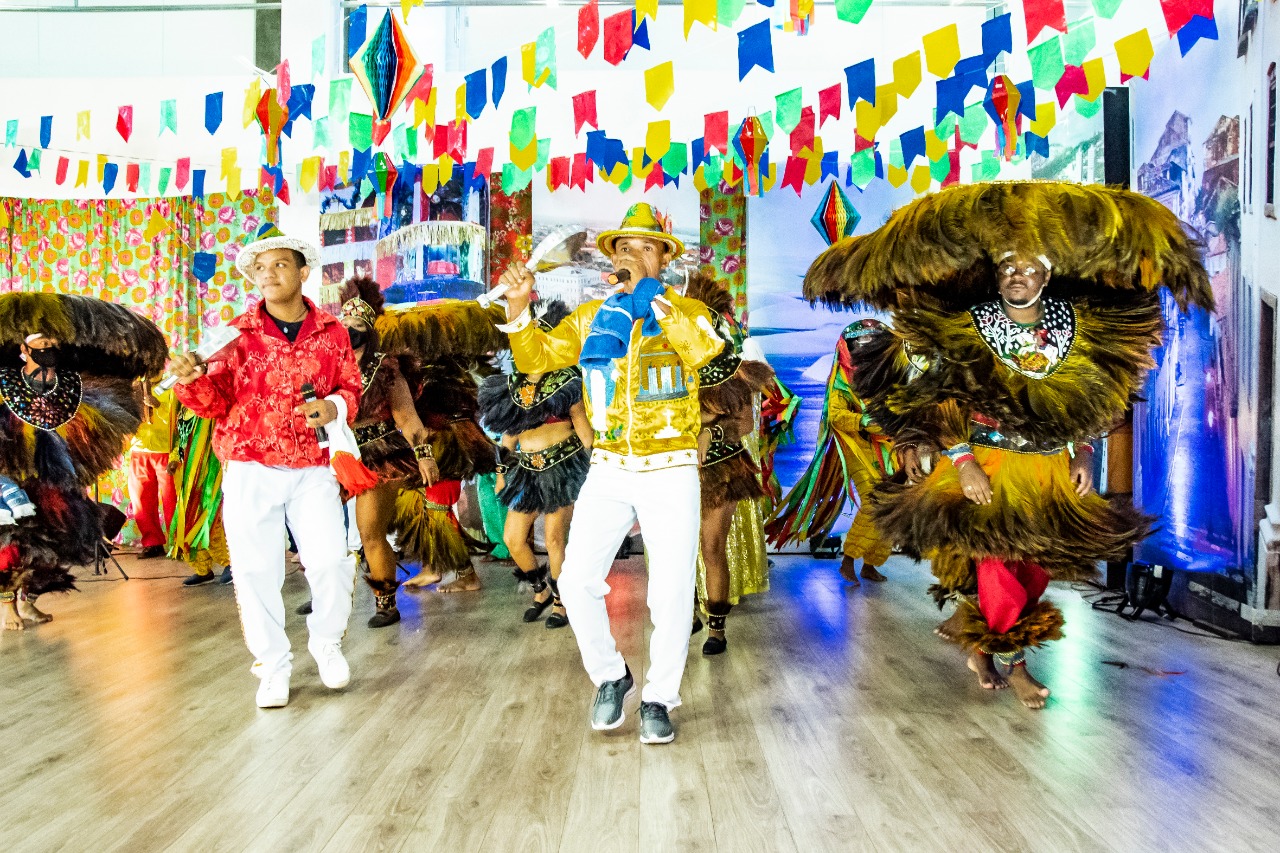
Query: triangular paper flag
point(124, 122)
point(157, 224)
point(659, 83)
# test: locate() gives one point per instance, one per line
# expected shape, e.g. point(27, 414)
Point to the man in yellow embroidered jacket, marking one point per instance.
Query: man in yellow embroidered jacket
point(640, 351)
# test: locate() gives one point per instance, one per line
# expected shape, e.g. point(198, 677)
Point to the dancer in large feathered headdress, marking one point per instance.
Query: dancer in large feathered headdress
point(67, 403)
point(1025, 315)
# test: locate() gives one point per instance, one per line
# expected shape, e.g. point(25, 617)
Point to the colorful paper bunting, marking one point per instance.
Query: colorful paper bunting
point(659, 84)
point(498, 73)
point(1044, 13)
point(860, 80)
point(82, 125)
point(20, 165)
point(699, 12)
point(787, 109)
point(124, 123)
point(715, 132)
point(1047, 66)
point(755, 49)
point(852, 11)
point(618, 32)
point(476, 97)
point(906, 74)
point(1135, 54)
point(1197, 28)
point(212, 112)
point(545, 57)
point(46, 131)
point(169, 116)
point(60, 174)
point(1106, 8)
point(109, 173)
point(828, 104)
point(131, 177)
point(942, 50)
point(584, 111)
point(997, 36)
point(588, 28)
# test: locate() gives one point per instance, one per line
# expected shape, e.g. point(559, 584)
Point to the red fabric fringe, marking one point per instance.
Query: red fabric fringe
point(353, 476)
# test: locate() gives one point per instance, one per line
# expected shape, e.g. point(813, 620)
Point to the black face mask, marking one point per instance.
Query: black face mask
point(47, 357)
point(359, 337)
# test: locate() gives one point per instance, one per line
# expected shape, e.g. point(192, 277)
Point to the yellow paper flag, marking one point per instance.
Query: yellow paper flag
point(647, 9)
point(867, 118)
point(430, 178)
point(619, 173)
point(906, 74)
point(460, 105)
point(529, 62)
point(425, 112)
point(897, 176)
point(229, 157)
point(934, 148)
point(82, 125)
point(638, 167)
point(102, 167)
point(446, 164)
point(157, 224)
point(699, 182)
point(1135, 53)
point(1046, 118)
point(233, 184)
point(524, 158)
point(942, 50)
point(767, 181)
point(659, 83)
point(699, 11)
point(1096, 74)
point(310, 172)
point(344, 165)
point(886, 102)
point(813, 162)
point(82, 174)
point(657, 141)
point(920, 179)
point(251, 97)
point(4, 217)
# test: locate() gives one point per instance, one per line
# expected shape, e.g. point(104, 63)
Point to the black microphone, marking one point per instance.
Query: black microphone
point(309, 396)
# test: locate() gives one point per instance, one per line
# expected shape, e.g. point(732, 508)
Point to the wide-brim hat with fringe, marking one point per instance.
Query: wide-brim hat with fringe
point(641, 220)
point(270, 237)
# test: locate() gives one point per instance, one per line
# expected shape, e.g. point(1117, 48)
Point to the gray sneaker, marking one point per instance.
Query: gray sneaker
point(607, 712)
point(655, 725)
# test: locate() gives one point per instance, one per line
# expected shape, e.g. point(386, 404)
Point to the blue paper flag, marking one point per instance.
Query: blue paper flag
point(299, 106)
point(997, 36)
point(912, 146)
point(1199, 27)
point(606, 153)
point(699, 152)
point(861, 82)
point(1036, 144)
point(204, 265)
point(951, 94)
point(499, 75)
point(755, 49)
point(879, 164)
point(830, 165)
point(477, 93)
point(46, 130)
point(109, 173)
point(768, 3)
point(640, 34)
point(356, 30)
point(197, 183)
point(20, 165)
point(972, 65)
point(360, 162)
point(1027, 100)
point(213, 112)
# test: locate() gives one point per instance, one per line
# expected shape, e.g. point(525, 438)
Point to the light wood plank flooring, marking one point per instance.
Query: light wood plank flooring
point(835, 722)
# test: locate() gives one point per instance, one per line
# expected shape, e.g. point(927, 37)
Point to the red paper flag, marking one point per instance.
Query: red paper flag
point(328, 177)
point(283, 88)
point(794, 175)
point(283, 193)
point(802, 136)
point(131, 177)
point(458, 141)
point(1072, 82)
point(860, 144)
point(440, 142)
point(588, 28)
point(1044, 13)
point(558, 172)
point(1178, 13)
point(584, 111)
point(715, 132)
point(484, 162)
point(421, 90)
point(124, 123)
point(183, 173)
point(828, 104)
point(61, 175)
point(655, 178)
point(580, 174)
point(617, 36)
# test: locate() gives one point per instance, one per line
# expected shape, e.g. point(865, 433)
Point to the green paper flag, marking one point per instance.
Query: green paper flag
point(544, 154)
point(144, 178)
point(360, 131)
point(862, 168)
point(339, 99)
point(852, 10)
point(11, 133)
point(947, 128)
point(766, 122)
point(1046, 64)
point(626, 182)
point(411, 143)
point(522, 127)
point(1078, 42)
point(515, 179)
point(33, 161)
point(713, 170)
point(397, 142)
point(974, 124)
point(317, 57)
point(1088, 109)
point(169, 116)
point(789, 105)
point(988, 169)
point(676, 159)
point(366, 188)
point(545, 57)
point(939, 169)
point(895, 153)
point(163, 185)
point(1106, 8)
point(320, 134)
point(727, 12)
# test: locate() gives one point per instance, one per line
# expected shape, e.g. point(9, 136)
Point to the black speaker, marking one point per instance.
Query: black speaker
point(1116, 166)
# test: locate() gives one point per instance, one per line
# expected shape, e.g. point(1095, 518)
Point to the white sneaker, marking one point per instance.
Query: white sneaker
point(273, 692)
point(334, 671)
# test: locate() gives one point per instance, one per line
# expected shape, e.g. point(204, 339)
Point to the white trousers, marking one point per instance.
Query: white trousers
point(667, 502)
point(256, 502)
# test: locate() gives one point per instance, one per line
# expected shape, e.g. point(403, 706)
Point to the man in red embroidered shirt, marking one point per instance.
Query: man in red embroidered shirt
point(276, 470)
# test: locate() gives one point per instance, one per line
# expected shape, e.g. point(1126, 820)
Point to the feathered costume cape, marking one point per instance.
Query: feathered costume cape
point(937, 380)
point(103, 348)
point(814, 504)
point(551, 478)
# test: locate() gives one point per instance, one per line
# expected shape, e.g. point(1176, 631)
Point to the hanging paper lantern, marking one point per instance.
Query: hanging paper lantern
point(835, 217)
point(271, 118)
point(1001, 104)
point(383, 173)
point(750, 142)
point(387, 69)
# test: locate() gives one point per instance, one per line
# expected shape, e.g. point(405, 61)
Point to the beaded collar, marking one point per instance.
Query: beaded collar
point(1034, 351)
point(528, 395)
point(46, 411)
point(369, 373)
point(721, 368)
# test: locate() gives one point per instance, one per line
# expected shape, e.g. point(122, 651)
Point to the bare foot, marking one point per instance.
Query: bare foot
point(948, 629)
point(466, 581)
point(27, 610)
point(426, 577)
point(12, 621)
point(871, 573)
point(988, 676)
point(1029, 691)
point(849, 571)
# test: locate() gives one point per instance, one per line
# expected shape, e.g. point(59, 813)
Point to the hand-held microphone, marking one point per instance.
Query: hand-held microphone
point(309, 396)
point(619, 277)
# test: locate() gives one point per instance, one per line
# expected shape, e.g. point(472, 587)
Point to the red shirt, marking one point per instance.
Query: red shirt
point(253, 388)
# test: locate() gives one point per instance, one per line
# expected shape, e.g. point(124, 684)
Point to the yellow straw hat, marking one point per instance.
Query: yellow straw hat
point(642, 220)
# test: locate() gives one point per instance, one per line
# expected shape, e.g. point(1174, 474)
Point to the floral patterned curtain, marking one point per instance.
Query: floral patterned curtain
point(723, 238)
point(510, 227)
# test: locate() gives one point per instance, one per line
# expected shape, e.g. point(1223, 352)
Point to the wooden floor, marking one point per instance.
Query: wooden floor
point(835, 722)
